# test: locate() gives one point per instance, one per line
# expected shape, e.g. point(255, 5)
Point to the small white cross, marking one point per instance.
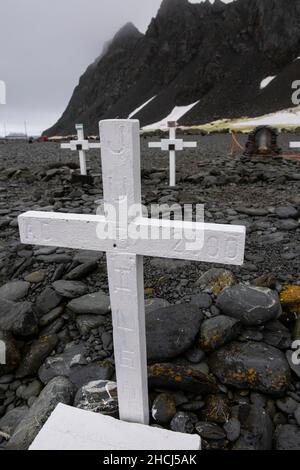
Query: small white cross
point(294, 145)
point(120, 144)
point(172, 145)
point(81, 145)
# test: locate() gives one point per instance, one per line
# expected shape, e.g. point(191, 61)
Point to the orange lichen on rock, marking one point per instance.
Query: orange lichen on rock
point(290, 296)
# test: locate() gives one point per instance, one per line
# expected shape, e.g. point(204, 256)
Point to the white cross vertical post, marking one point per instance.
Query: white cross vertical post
point(172, 145)
point(120, 143)
point(81, 145)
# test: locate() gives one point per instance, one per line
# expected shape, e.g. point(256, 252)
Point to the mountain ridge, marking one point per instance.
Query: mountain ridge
point(214, 54)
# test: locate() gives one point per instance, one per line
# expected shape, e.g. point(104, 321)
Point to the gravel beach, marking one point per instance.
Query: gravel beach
point(239, 387)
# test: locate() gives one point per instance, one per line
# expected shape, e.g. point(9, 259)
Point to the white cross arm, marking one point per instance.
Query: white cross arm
point(74, 144)
point(154, 145)
point(294, 145)
point(96, 145)
point(190, 144)
point(177, 144)
point(211, 243)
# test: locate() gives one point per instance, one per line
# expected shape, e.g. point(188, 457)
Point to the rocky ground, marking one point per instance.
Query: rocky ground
point(231, 376)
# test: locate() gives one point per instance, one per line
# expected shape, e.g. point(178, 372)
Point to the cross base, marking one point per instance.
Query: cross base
point(70, 428)
point(82, 179)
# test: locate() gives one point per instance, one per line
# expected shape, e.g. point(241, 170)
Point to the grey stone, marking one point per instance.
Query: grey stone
point(70, 289)
point(287, 437)
point(86, 323)
point(218, 331)
point(81, 271)
point(288, 224)
point(287, 405)
point(203, 300)
point(48, 300)
point(14, 291)
point(17, 318)
point(232, 429)
point(171, 331)
point(184, 422)
point(286, 212)
point(215, 280)
point(297, 415)
point(33, 389)
point(155, 304)
point(99, 396)
point(210, 431)
point(164, 408)
point(59, 390)
point(72, 364)
point(54, 259)
point(97, 303)
point(254, 366)
point(256, 429)
point(277, 335)
point(11, 420)
point(251, 305)
point(39, 350)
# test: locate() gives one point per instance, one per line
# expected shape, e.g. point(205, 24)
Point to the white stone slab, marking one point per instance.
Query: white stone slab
point(74, 429)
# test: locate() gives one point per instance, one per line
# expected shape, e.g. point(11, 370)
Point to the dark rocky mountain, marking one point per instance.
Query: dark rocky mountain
point(216, 54)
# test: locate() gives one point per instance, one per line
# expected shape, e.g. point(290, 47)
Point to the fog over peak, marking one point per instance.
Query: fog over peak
point(46, 46)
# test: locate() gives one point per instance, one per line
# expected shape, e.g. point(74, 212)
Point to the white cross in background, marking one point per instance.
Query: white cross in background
point(81, 145)
point(172, 145)
point(225, 244)
point(294, 145)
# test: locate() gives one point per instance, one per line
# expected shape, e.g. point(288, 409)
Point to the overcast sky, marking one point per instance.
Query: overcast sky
point(46, 45)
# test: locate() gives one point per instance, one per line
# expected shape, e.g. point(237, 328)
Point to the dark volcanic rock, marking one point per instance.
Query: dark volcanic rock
point(184, 422)
point(38, 352)
point(182, 378)
point(251, 305)
point(11, 420)
point(70, 289)
point(171, 331)
point(256, 366)
point(288, 437)
point(210, 431)
point(256, 429)
point(164, 408)
point(216, 409)
point(14, 291)
point(72, 364)
point(97, 303)
point(17, 318)
point(48, 300)
point(218, 331)
point(59, 390)
point(98, 396)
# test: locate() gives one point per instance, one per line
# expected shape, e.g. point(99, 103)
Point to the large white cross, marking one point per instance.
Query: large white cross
point(172, 145)
point(120, 144)
point(82, 146)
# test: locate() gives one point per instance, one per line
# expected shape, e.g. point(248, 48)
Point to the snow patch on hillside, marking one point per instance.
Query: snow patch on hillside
point(140, 107)
point(287, 117)
point(175, 115)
